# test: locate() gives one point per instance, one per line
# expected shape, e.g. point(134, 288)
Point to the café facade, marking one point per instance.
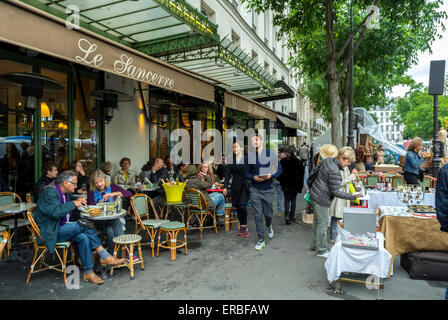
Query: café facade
point(150, 98)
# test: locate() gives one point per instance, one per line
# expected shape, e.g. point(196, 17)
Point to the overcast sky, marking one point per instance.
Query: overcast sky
point(420, 72)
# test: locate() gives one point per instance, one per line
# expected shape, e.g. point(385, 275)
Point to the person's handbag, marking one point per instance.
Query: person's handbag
point(86, 223)
point(313, 175)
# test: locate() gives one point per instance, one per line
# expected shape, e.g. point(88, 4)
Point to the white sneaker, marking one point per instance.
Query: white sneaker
point(260, 245)
point(323, 255)
point(270, 232)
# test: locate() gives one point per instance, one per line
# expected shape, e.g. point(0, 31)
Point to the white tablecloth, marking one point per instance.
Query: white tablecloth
point(344, 259)
point(378, 198)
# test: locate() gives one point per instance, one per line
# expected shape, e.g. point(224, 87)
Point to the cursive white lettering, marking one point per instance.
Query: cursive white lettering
point(90, 47)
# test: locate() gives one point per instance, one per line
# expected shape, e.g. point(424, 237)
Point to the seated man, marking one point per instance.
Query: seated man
point(54, 216)
point(49, 173)
point(202, 182)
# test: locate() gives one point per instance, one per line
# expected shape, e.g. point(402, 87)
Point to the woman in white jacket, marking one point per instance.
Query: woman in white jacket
point(338, 205)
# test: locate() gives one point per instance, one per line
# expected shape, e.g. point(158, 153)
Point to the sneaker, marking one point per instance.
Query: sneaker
point(287, 221)
point(270, 232)
point(245, 233)
point(279, 214)
point(260, 245)
point(323, 255)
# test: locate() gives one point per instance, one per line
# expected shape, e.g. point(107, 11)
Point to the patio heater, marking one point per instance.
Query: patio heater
point(33, 86)
point(110, 99)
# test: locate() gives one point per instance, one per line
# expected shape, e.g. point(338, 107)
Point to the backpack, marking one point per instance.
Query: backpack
point(313, 175)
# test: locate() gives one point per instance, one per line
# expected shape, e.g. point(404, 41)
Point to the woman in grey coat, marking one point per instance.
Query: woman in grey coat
point(322, 192)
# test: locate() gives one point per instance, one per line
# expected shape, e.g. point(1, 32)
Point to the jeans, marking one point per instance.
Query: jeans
point(113, 228)
point(333, 230)
point(320, 226)
point(220, 201)
point(85, 239)
point(279, 196)
point(261, 206)
point(290, 198)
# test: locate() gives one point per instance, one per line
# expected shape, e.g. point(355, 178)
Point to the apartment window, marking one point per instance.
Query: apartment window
point(236, 38)
point(254, 20)
point(266, 27)
point(234, 3)
point(206, 10)
point(266, 65)
point(274, 73)
point(254, 56)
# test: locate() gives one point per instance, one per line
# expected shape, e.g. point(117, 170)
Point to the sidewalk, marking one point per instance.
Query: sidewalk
point(221, 266)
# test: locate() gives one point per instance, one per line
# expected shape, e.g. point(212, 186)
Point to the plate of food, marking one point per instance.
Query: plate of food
point(422, 209)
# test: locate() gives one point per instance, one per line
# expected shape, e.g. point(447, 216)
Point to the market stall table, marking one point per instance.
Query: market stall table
point(379, 198)
point(16, 209)
point(405, 234)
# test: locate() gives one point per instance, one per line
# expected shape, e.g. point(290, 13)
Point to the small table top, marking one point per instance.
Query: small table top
point(16, 207)
point(103, 217)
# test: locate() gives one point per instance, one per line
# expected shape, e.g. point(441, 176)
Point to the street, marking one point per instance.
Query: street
point(221, 266)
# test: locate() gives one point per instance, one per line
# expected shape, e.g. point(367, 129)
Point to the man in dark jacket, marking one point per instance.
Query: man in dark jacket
point(49, 173)
point(291, 181)
point(261, 167)
point(322, 192)
point(54, 216)
point(442, 203)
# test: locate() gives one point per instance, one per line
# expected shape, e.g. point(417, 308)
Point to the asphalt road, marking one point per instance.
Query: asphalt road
point(221, 266)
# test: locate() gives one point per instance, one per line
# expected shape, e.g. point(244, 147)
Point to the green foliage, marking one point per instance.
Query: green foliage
point(415, 111)
point(381, 59)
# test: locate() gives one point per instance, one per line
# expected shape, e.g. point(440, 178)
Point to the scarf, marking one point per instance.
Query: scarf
point(98, 195)
point(64, 199)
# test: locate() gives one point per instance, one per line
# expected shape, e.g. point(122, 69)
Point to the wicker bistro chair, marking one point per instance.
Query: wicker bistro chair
point(389, 176)
point(168, 208)
point(171, 230)
point(30, 197)
point(198, 207)
point(428, 182)
point(127, 242)
point(4, 237)
point(397, 181)
point(6, 198)
point(229, 216)
point(139, 204)
point(40, 251)
point(371, 180)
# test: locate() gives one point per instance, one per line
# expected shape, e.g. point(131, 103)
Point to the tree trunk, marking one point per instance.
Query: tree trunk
point(335, 104)
point(344, 120)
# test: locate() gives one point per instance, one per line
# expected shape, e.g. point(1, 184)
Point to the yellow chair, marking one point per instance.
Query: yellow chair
point(40, 251)
point(30, 197)
point(197, 207)
point(4, 237)
point(6, 198)
point(171, 230)
point(139, 204)
point(230, 216)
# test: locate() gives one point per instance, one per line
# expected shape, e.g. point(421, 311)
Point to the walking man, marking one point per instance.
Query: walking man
point(262, 166)
point(304, 153)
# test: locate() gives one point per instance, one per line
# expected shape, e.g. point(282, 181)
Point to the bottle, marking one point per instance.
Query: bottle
point(118, 204)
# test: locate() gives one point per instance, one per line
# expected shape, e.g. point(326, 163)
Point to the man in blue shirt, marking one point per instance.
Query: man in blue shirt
point(262, 166)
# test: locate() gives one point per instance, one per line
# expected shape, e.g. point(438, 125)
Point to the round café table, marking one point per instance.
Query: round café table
point(103, 218)
point(15, 209)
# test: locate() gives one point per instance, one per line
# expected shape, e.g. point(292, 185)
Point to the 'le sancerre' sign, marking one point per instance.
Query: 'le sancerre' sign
point(123, 66)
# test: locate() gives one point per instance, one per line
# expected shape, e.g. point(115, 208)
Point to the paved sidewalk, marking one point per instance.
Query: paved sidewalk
point(221, 266)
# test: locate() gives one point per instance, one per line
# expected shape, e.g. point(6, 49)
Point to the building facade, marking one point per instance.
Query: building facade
point(391, 131)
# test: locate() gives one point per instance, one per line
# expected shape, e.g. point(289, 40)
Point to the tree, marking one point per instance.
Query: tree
point(415, 111)
point(319, 34)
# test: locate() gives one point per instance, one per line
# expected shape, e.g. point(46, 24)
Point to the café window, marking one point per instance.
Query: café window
point(16, 133)
point(54, 122)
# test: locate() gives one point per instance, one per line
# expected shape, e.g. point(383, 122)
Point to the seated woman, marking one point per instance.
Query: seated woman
point(83, 179)
point(102, 191)
point(107, 167)
point(124, 176)
point(202, 181)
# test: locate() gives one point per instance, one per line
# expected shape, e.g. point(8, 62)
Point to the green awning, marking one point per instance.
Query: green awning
point(289, 123)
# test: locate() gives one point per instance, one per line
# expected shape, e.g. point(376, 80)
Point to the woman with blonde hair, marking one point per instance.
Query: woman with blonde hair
point(338, 204)
point(101, 190)
point(323, 190)
point(413, 161)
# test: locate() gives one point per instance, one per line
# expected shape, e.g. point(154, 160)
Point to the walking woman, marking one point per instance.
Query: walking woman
point(413, 161)
point(240, 187)
point(291, 181)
